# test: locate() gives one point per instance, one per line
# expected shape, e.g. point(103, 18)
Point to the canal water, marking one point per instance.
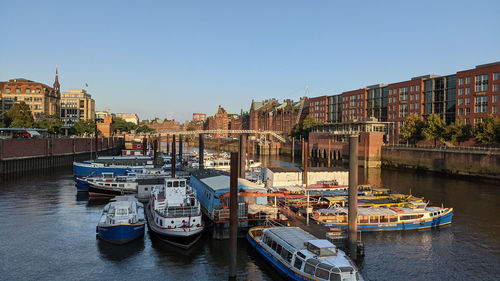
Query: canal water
point(47, 232)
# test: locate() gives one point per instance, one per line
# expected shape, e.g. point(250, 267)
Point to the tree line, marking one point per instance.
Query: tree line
point(434, 128)
point(20, 116)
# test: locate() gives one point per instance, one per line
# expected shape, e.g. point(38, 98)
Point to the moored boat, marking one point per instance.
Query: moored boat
point(119, 165)
point(173, 213)
point(110, 187)
point(122, 220)
point(416, 216)
point(298, 255)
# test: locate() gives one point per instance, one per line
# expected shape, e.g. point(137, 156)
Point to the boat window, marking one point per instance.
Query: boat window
point(393, 219)
point(161, 222)
point(384, 218)
point(269, 241)
point(121, 185)
point(182, 184)
point(274, 245)
point(286, 255)
point(114, 184)
point(121, 212)
point(335, 277)
point(176, 184)
point(278, 249)
point(329, 251)
point(298, 263)
point(309, 268)
point(169, 184)
point(106, 184)
point(321, 273)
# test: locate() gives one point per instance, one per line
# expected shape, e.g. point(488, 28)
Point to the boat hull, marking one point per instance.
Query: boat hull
point(442, 220)
point(282, 268)
point(81, 184)
point(81, 169)
point(120, 234)
point(96, 191)
point(176, 236)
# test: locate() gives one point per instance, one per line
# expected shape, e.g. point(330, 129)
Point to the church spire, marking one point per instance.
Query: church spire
point(57, 87)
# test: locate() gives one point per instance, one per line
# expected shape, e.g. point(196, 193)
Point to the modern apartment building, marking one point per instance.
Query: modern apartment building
point(376, 102)
point(318, 108)
point(76, 105)
point(477, 92)
point(440, 97)
point(42, 99)
point(354, 104)
point(334, 109)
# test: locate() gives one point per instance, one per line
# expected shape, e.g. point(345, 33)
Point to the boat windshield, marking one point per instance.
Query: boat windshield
point(121, 212)
point(330, 251)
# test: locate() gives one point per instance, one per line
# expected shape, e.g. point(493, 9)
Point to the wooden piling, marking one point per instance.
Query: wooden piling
point(233, 215)
point(353, 196)
point(173, 156)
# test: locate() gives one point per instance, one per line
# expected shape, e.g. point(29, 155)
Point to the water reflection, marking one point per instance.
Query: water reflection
point(117, 253)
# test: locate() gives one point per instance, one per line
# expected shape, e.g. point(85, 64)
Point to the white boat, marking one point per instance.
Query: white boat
point(174, 213)
point(122, 220)
point(298, 255)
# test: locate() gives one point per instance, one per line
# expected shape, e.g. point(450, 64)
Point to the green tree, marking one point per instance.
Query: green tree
point(435, 128)
point(52, 123)
point(123, 126)
point(83, 127)
point(2, 124)
point(302, 129)
point(144, 129)
point(20, 111)
point(18, 123)
point(190, 128)
point(412, 129)
point(459, 131)
point(487, 131)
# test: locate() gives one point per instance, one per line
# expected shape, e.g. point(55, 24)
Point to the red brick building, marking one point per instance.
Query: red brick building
point(162, 124)
point(404, 98)
point(354, 105)
point(477, 93)
point(199, 116)
point(273, 116)
point(318, 108)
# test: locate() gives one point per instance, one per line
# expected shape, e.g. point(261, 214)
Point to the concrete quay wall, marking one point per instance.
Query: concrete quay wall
point(25, 155)
point(469, 163)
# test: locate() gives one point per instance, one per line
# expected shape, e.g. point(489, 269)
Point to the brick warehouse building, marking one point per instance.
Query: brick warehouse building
point(271, 115)
point(318, 108)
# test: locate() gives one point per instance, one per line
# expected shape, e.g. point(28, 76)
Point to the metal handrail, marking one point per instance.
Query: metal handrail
point(447, 148)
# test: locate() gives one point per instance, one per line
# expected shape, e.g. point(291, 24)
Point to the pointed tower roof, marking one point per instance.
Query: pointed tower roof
point(57, 86)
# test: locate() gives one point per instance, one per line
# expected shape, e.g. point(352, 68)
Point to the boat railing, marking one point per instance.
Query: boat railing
point(181, 211)
point(223, 214)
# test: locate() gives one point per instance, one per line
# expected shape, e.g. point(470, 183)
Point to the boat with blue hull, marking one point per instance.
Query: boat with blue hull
point(81, 184)
point(415, 216)
point(122, 220)
point(298, 255)
point(118, 165)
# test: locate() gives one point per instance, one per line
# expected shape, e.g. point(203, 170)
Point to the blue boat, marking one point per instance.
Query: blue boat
point(118, 165)
point(415, 216)
point(81, 184)
point(122, 220)
point(298, 255)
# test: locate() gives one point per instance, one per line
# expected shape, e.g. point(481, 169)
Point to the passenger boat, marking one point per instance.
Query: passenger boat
point(174, 214)
point(416, 216)
point(298, 255)
point(81, 183)
point(122, 220)
point(110, 187)
point(111, 164)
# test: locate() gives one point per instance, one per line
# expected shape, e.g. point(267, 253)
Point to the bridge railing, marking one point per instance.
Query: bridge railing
point(478, 149)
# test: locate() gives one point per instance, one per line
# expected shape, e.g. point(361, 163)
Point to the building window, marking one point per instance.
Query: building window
point(461, 81)
point(418, 88)
point(495, 87)
point(495, 110)
point(18, 90)
point(481, 104)
point(460, 101)
point(467, 91)
point(460, 111)
point(467, 111)
point(495, 98)
point(27, 91)
point(417, 97)
point(7, 91)
point(417, 106)
point(482, 83)
point(403, 93)
point(403, 110)
point(495, 76)
point(412, 88)
point(460, 92)
point(467, 81)
point(467, 101)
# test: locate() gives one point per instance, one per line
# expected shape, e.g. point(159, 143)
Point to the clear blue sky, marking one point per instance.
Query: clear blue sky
point(173, 58)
